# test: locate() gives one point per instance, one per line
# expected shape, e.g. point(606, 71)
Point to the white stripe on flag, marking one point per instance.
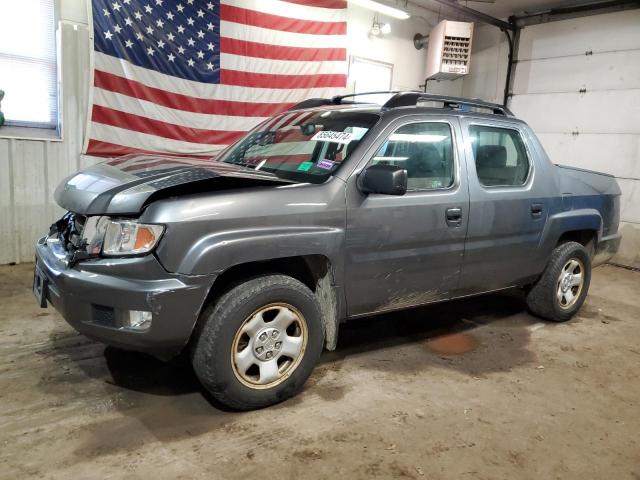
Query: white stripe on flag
point(137, 140)
point(250, 33)
point(169, 83)
point(280, 67)
point(154, 111)
point(291, 10)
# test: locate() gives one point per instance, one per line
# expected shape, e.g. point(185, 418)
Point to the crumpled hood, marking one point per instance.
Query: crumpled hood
point(123, 186)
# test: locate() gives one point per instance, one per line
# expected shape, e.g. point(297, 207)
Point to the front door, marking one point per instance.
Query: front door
point(407, 250)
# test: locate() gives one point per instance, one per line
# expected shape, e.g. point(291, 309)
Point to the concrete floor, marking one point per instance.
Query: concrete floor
point(476, 389)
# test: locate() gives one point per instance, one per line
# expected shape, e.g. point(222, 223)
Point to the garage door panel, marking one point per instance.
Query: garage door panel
point(605, 71)
point(617, 155)
point(616, 111)
point(598, 33)
point(630, 201)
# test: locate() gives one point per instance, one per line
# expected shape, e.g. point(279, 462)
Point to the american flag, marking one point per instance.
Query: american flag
point(191, 77)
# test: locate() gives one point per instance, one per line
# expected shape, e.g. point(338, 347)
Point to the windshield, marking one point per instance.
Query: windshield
point(302, 146)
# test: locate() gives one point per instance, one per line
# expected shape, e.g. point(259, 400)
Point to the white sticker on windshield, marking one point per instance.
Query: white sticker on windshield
point(335, 137)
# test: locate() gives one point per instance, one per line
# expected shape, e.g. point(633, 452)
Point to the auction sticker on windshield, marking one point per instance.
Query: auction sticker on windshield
point(331, 136)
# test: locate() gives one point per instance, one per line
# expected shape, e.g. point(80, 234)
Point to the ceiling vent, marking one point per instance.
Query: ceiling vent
point(449, 51)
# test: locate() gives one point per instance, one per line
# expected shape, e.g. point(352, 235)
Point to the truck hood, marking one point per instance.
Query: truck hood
point(123, 186)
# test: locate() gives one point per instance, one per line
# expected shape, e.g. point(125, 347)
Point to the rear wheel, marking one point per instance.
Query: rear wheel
point(562, 289)
point(259, 343)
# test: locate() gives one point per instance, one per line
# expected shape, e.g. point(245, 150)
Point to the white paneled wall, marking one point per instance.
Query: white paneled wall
point(598, 129)
point(31, 169)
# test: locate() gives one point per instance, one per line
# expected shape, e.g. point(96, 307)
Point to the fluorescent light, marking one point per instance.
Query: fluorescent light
point(385, 29)
point(382, 8)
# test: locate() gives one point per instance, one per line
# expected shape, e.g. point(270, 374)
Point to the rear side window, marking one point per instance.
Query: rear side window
point(500, 155)
point(425, 150)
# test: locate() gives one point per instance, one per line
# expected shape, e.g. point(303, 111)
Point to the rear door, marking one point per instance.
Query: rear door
point(407, 250)
point(508, 206)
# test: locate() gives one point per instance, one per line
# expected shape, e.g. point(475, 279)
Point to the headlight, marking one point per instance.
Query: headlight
point(130, 238)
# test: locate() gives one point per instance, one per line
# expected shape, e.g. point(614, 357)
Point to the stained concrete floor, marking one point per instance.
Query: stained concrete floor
point(475, 389)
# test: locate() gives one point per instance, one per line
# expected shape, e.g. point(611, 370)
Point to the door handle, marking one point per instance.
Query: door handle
point(454, 216)
point(536, 210)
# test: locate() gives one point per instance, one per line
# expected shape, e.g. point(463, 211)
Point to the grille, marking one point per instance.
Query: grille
point(103, 316)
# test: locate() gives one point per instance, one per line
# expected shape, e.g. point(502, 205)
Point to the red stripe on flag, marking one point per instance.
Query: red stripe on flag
point(277, 52)
point(275, 22)
point(106, 149)
point(338, 4)
point(116, 118)
point(121, 154)
point(132, 88)
point(268, 80)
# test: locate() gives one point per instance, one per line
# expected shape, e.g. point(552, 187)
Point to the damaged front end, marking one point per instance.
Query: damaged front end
point(67, 232)
point(98, 273)
point(83, 237)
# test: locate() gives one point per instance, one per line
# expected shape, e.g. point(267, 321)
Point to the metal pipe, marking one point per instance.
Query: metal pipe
point(565, 13)
point(509, 62)
point(513, 41)
point(476, 15)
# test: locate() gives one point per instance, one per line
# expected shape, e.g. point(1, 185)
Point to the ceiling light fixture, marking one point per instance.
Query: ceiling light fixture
point(382, 8)
point(379, 28)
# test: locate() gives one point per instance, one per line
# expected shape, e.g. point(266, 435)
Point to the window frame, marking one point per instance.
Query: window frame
point(454, 147)
point(35, 130)
point(503, 126)
point(358, 59)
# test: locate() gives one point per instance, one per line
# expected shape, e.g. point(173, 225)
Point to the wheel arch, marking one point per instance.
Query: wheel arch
point(583, 226)
point(315, 271)
point(585, 237)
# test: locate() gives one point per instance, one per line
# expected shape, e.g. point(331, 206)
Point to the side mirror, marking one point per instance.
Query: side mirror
point(385, 179)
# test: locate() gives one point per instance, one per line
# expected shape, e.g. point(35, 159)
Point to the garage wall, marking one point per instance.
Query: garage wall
point(577, 83)
point(31, 169)
point(598, 128)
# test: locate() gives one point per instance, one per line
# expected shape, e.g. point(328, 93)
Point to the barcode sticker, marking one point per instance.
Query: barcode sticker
point(335, 137)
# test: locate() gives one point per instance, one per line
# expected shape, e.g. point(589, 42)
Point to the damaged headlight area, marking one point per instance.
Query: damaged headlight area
point(86, 237)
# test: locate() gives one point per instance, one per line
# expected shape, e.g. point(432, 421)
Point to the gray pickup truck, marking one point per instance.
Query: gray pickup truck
point(329, 211)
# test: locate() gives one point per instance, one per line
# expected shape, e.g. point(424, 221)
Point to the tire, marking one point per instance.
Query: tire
point(547, 298)
point(241, 324)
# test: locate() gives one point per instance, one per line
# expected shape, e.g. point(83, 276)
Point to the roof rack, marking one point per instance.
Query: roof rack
point(410, 99)
point(338, 99)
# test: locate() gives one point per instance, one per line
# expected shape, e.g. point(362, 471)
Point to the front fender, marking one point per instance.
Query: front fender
point(218, 251)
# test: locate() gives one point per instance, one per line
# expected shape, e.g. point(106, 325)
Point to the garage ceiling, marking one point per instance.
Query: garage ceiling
point(504, 8)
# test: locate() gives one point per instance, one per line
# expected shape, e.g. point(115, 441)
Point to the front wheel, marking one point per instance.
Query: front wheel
point(259, 343)
point(562, 289)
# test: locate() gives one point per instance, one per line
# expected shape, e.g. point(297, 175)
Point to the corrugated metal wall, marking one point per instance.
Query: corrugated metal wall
point(31, 169)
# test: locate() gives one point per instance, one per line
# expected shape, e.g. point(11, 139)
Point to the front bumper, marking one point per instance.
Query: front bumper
point(93, 294)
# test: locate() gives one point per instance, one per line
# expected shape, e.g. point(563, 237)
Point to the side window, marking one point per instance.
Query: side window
point(500, 155)
point(425, 150)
